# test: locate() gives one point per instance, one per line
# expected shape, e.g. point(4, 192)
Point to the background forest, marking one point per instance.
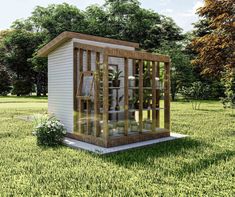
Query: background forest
point(202, 60)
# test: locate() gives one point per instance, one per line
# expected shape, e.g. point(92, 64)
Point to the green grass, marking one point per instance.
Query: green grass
point(201, 165)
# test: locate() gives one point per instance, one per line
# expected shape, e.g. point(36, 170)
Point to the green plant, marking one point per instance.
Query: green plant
point(206, 156)
point(115, 74)
point(22, 87)
point(229, 100)
point(120, 123)
point(49, 131)
point(195, 93)
point(5, 81)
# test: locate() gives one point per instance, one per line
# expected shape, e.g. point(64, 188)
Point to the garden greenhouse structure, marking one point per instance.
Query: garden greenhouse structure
point(107, 92)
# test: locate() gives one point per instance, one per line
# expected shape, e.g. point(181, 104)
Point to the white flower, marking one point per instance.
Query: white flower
point(157, 78)
point(131, 78)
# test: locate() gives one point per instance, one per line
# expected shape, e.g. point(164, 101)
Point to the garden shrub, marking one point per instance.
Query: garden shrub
point(49, 131)
point(5, 82)
point(22, 87)
point(229, 100)
point(195, 93)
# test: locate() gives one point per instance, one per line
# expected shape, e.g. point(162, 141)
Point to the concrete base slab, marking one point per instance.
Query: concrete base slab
point(101, 150)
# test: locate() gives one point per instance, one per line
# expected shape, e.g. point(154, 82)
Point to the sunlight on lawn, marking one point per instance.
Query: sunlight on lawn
point(201, 165)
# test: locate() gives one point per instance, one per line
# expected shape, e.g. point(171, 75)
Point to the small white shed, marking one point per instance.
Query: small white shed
point(70, 55)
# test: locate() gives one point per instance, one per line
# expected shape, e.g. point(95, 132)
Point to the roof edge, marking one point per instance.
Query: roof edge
point(65, 36)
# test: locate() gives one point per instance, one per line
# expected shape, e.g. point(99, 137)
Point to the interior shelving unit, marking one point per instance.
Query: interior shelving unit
point(99, 119)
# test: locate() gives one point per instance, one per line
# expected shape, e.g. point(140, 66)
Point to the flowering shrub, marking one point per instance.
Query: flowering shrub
point(49, 131)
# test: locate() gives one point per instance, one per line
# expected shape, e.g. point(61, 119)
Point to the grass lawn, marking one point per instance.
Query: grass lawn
point(201, 165)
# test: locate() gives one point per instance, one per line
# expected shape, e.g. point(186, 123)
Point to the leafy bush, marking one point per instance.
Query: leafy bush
point(195, 93)
point(5, 82)
point(229, 100)
point(22, 87)
point(49, 131)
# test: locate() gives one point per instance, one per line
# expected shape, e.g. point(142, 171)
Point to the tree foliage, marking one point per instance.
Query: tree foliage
point(196, 92)
point(16, 48)
point(5, 81)
point(181, 68)
point(122, 19)
point(215, 38)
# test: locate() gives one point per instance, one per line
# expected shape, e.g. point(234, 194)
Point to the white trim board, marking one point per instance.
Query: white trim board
point(101, 150)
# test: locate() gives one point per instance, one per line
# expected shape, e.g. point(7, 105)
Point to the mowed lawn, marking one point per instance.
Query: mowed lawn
point(200, 165)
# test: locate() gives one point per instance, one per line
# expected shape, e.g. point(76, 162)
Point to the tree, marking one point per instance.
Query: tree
point(181, 68)
point(15, 50)
point(55, 19)
point(122, 19)
point(5, 81)
point(196, 92)
point(215, 38)
point(213, 46)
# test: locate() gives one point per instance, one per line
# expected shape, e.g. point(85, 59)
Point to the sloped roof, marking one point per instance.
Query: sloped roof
point(66, 36)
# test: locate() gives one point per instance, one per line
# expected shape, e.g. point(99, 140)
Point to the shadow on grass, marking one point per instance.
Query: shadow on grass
point(11, 135)
point(210, 110)
point(146, 155)
point(232, 115)
point(205, 163)
point(6, 135)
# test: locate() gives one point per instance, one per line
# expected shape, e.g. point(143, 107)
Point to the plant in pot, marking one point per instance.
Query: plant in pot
point(134, 102)
point(146, 78)
point(148, 124)
point(120, 126)
point(134, 126)
point(131, 80)
point(117, 107)
point(111, 129)
point(115, 77)
point(147, 98)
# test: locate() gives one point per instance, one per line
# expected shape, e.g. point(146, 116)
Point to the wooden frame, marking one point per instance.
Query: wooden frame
point(101, 135)
point(66, 36)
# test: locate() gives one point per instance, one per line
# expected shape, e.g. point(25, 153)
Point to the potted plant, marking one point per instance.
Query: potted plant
point(120, 126)
point(131, 80)
point(134, 102)
point(157, 81)
point(147, 98)
point(111, 129)
point(148, 124)
point(134, 126)
point(115, 77)
point(117, 107)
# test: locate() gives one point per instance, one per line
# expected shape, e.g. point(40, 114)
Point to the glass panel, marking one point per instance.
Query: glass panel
point(116, 97)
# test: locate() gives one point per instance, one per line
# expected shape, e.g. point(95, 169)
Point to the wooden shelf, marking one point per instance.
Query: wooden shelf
point(150, 109)
point(116, 87)
point(116, 112)
point(145, 88)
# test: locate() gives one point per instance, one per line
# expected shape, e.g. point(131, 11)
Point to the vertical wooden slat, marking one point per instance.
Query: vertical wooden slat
point(88, 52)
point(96, 96)
point(148, 71)
point(167, 96)
point(153, 96)
point(80, 104)
point(158, 97)
point(75, 87)
point(134, 67)
point(141, 96)
point(88, 102)
point(80, 60)
point(105, 98)
point(126, 95)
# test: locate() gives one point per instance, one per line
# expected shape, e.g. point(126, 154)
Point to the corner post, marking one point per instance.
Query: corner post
point(105, 98)
point(167, 95)
point(75, 84)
